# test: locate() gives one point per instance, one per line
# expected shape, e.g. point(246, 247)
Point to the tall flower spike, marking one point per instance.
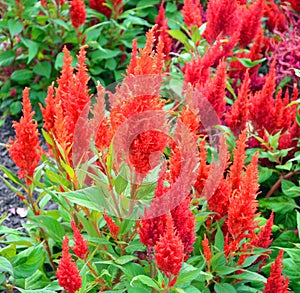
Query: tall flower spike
point(67, 272)
point(113, 228)
point(25, 150)
point(263, 238)
point(49, 111)
point(169, 251)
point(237, 166)
point(100, 7)
point(251, 22)
point(80, 248)
point(192, 13)
point(214, 89)
point(222, 19)
point(149, 61)
point(184, 222)
point(162, 32)
point(77, 13)
point(277, 282)
point(238, 117)
point(206, 251)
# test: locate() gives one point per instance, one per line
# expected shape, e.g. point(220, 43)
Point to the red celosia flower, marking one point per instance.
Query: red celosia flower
point(49, 111)
point(203, 170)
point(277, 282)
point(98, 5)
point(113, 228)
point(125, 106)
point(77, 13)
point(192, 13)
point(206, 251)
point(67, 272)
point(162, 32)
point(25, 150)
point(169, 251)
point(242, 206)
point(238, 117)
point(214, 89)
point(71, 96)
point(151, 229)
point(184, 222)
point(222, 19)
point(251, 22)
point(295, 4)
point(276, 18)
point(219, 202)
point(80, 248)
point(262, 239)
point(237, 166)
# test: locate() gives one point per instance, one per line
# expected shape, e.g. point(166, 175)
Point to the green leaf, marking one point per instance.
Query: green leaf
point(15, 107)
point(283, 82)
point(33, 48)
point(249, 276)
point(14, 27)
point(250, 260)
point(290, 189)
point(28, 261)
point(248, 63)
point(264, 174)
point(43, 68)
point(94, 197)
point(7, 57)
point(11, 176)
point(59, 61)
point(6, 266)
point(61, 23)
point(22, 75)
point(146, 281)
point(125, 259)
point(219, 240)
point(51, 226)
point(180, 36)
point(279, 204)
point(224, 288)
point(187, 274)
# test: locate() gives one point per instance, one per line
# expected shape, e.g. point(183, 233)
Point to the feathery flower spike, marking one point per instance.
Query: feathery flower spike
point(77, 13)
point(80, 248)
point(169, 251)
point(25, 150)
point(276, 281)
point(67, 272)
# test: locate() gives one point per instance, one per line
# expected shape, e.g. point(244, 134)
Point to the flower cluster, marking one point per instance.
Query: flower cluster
point(67, 272)
point(25, 150)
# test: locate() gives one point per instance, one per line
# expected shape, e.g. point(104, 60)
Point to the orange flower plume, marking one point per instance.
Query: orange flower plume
point(25, 150)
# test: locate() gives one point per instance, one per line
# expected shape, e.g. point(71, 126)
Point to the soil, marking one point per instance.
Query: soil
point(10, 203)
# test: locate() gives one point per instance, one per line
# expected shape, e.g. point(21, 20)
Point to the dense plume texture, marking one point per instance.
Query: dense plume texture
point(25, 149)
point(67, 272)
point(77, 13)
point(276, 281)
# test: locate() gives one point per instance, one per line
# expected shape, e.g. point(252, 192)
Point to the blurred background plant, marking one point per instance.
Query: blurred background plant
point(32, 34)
